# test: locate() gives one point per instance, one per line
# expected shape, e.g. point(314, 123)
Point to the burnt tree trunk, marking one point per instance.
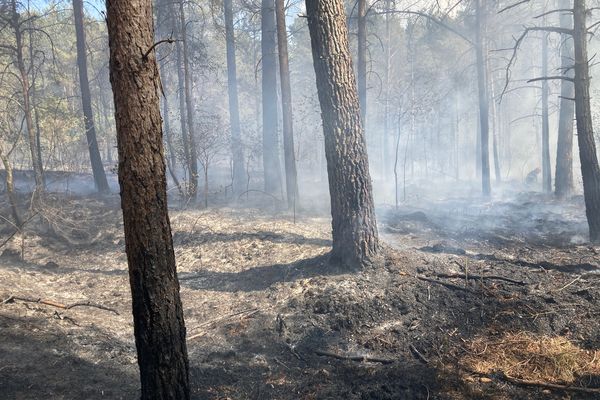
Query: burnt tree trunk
point(189, 107)
point(564, 152)
point(36, 161)
point(585, 133)
point(239, 169)
point(355, 238)
point(86, 101)
point(361, 69)
point(157, 311)
point(546, 167)
point(483, 98)
point(10, 190)
point(291, 176)
point(271, 162)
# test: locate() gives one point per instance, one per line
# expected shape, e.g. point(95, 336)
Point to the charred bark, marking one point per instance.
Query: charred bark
point(157, 311)
point(291, 176)
point(564, 152)
point(86, 101)
point(355, 238)
point(585, 133)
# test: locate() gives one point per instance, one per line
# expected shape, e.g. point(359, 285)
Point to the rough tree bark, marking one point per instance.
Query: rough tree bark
point(189, 107)
point(239, 169)
point(483, 98)
point(564, 152)
point(86, 101)
point(291, 176)
point(546, 167)
point(36, 161)
point(355, 238)
point(271, 162)
point(157, 311)
point(361, 68)
point(585, 133)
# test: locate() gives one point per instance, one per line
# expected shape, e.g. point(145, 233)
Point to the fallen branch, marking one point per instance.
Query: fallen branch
point(353, 358)
point(53, 303)
point(481, 277)
point(446, 284)
point(548, 385)
point(242, 314)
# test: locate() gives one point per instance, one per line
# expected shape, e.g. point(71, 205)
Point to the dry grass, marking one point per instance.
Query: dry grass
point(537, 358)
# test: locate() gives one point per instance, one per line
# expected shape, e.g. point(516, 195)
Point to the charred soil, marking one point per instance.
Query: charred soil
point(475, 300)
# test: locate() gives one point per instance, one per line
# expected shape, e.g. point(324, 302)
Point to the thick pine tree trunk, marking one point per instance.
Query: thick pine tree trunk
point(291, 176)
point(564, 152)
point(271, 162)
point(585, 133)
point(355, 238)
point(239, 169)
point(546, 167)
point(484, 107)
point(86, 101)
point(157, 311)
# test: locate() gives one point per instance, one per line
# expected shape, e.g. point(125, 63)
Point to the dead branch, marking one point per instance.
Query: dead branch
point(52, 303)
point(548, 385)
point(446, 284)
point(353, 358)
point(418, 354)
point(481, 277)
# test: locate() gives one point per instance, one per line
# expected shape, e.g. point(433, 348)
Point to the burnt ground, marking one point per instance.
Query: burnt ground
point(267, 317)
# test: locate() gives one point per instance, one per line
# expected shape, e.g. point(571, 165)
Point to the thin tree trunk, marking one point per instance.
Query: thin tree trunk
point(239, 169)
point(193, 161)
point(585, 133)
point(271, 162)
point(361, 69)
point(10, 190)
point(483, 99)
point(291, 177)
point(355, 238)
point(86, 101)
point(564, 152)
point(38, 131)
point(157, 311)
point(24, 78)
point(546, 167)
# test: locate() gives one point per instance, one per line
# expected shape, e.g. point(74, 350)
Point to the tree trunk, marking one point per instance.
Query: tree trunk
point(291, 177)
point(546, 167)
point(585, 133)
point(10, 190)
point(189, 108)
point(387, 136)
point(564, 152)
point(157, 311)
point(355, 238)
point(36, 161)
point(239, 169)
point(271, 162)
point(86, 101)
point(483, 99)
point(361, 69)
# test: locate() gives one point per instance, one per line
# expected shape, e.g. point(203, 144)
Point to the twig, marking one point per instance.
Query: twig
point(448, 285)
point(53, 303)
point(353, 358)
point(418, 354)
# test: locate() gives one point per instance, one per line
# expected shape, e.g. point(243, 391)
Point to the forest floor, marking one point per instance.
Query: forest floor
point(475, 300)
